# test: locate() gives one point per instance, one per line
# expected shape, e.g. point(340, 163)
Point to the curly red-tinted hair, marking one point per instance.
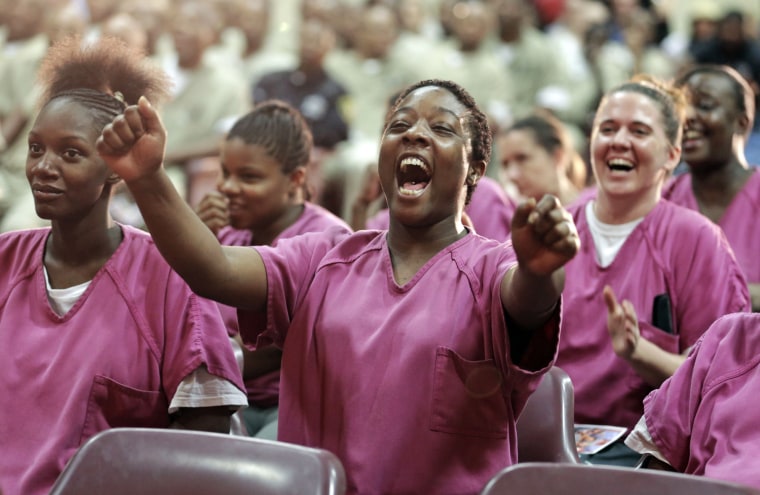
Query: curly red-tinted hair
point(108, 66)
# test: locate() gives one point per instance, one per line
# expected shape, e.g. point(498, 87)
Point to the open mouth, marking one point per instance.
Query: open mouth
point(620, 165)
point(691, 139)
point(413, 177)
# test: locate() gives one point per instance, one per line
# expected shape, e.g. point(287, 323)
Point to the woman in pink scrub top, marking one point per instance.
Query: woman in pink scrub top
point(671, 268)
point(720, 184)
point(703, 419)
point(260, 199)
point(408, 353)
point(96, 330)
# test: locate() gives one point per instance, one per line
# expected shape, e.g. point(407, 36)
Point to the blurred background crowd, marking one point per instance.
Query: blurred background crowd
point(340, 62)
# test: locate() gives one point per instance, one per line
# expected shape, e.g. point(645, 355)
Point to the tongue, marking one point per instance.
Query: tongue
point(415, 186)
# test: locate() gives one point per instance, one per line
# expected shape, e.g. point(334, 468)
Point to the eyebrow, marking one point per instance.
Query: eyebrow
point(437, 109)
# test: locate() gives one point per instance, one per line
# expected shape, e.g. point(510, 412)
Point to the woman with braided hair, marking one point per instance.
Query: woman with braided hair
point(96, 330)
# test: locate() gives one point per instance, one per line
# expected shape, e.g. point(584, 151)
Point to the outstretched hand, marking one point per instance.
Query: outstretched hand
point(544, 235)
point(622, 324)
point(132, 145)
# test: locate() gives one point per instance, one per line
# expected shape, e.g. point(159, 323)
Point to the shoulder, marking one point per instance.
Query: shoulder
point(229, 236)
point(677, 186)
point(321, 218)
point(752, 187)
point(730, 346)
point(21, 250)
point(356, 245)
point(672, 220)
point(140, 252)
point(482, 255)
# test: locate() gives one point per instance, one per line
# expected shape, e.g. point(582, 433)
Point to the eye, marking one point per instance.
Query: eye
point(72, 154)
point(640, 131)
point(443, 129)
point(606, 129)
point(35, 149)
point(398, 125)
point(705, 105)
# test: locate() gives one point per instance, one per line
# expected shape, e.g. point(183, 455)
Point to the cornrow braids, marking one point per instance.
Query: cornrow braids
point(476, 121)
point(104, 76)
point(280, 130)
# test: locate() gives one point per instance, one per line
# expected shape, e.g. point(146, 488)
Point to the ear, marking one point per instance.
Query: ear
point(475, 172)
point(742, 125)
point(559, 158)
point(674, 158)
point(297, 178)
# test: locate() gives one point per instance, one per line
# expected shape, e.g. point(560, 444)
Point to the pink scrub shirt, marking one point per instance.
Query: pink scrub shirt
point(114, 360)
point(674, 251)
point(413, 387)
point(704, 418)
point(264, 391)
point(739, 222)
point(490, 210)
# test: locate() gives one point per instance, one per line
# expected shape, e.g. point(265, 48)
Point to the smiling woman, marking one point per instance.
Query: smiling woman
point(260, 200)
point(385, 335)
point(721, 185)
point(653, 254)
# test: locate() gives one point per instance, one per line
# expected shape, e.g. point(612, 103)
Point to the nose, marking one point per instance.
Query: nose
point(228, 185)
point(620, 139)
point(418, 133)
point(513, 171)
point(691, 112)
point(44, 165)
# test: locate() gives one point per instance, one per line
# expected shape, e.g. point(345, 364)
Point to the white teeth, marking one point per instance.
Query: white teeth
point(620, 163)
point(410, 192)
point(692, 134)
point(414, 162)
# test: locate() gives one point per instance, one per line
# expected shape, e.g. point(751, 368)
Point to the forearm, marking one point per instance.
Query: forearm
point(530, 300)
point(185, 242)
point(261, 361)
point(654, 364)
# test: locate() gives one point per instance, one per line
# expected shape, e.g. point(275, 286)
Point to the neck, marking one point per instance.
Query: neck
point(266, 236)
point(77, 243)
point(423, 242)
point(623, 209)
point(722, 177)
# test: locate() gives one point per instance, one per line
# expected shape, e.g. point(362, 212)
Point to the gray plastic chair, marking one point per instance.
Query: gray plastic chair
point(129, 461)
point(536, 478)
point(545, 429)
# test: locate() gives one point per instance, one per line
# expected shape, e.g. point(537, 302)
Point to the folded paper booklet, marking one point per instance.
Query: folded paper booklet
point(590, 439)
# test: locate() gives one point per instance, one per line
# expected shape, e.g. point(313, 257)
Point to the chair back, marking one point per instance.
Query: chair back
point(545, 429)
point(126, 461)
point(536, 478)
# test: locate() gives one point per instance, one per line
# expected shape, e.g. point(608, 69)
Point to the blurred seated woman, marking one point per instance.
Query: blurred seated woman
point(720, 184)
point(260, 199)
